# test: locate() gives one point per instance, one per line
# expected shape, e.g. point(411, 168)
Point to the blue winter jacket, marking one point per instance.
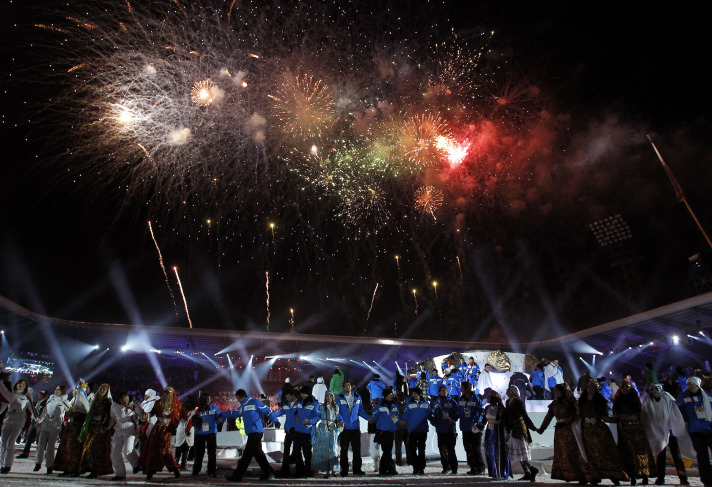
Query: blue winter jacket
point(385, 417)
point(209, 421)
point(434, 383)
point(444, 408)
point(251, 410)
point(376, 388)
point(453, 385)
point(416, 414)
point(472, 375)
point(288, 412)
point(307, 409)
point(690, 405)
point(350, 416)
point(537, 378)
point(470, 411)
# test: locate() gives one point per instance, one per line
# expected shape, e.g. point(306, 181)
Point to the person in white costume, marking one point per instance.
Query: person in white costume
point(125, 423)
point(18, 410)
point(50, 424)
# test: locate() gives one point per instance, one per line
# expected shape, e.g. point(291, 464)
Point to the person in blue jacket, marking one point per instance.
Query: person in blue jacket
point(385, 416)
point(434, 383)
point(472, 373)
point(471, 411)
point(376, 388)
point(251, 411)
point(207, 422)
point(289, 404)
point(444, 415)
point(538, 382)
point(350, 409)
point(452, 382)
point(696, 407)
point(306, 414)
point(416, 414)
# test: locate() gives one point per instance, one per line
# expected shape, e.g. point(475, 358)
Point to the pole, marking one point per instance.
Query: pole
point(679, 193)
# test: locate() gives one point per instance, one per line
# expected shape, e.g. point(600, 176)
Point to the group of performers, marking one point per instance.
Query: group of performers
point(101, 433)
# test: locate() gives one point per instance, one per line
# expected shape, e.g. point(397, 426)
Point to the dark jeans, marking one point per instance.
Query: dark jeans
point(303, 454)
point(253, 449)
point(353, 438)
point(201, 441)
point(401, 438)
point(702, 442)
point(416, 450)
point(472, 442)
point(386, 465)
point(446, 445)
point(675, 452)
point(288, 451)
point(539, 392)
point(182, 454)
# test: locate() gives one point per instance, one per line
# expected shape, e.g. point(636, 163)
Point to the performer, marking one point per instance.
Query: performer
point(498, 464)
point(518, 424)
point(17, 407)
point(69, 453)
point(156, 452)
point(471, 411)
point(325, 456)
point(385, 416)
point(444, 415)
point(633, 444)
point(96, 435)
point(570, 462)
point(33, 431)
point(416, 414)
point(694, 404)
point(252, 410)
point(603, 458)
point(661, 416)
point(49, 424)
point(125, 423)
point(350, 410)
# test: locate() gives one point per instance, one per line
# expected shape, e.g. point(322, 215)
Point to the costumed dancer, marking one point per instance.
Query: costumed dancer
point(156, 452)
point(96, 435)
point(125, 422)
point(326, 457)
point(694, 404)
point(17, 407)
point(518, 424)
point(498, 465)
point(664, 425)
point(601, 451)
point(49, 424)
point(69, 453)
point(633, 445)
point(570, 461)
point(185, 434)
point(251, 411)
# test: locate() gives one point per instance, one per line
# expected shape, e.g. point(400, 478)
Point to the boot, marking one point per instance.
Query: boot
point(534, 472)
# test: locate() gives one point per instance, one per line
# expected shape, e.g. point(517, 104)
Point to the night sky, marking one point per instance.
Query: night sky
point(565, 92)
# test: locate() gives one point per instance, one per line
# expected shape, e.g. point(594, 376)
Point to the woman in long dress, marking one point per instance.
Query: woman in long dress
point(156, 452)
point(69, 453)
point(96, 435)
point(498, 465)
point(603, 459)
point(518, 424)
point(569, 463)
point(325, 457)
point(633, 445)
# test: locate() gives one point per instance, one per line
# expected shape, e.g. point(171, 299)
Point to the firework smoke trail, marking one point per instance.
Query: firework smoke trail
point(459, 267)
point(415, 298)
point(163, 267)
point(400, 276)
point(267, 291)
point(291, 320)
point(435, 287)
point(368, 315)
point(185, 303)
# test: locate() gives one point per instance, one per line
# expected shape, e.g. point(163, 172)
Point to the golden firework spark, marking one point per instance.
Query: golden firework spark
point(420, 139)
point(304, 106)
point(204, 92)
point(428, 199)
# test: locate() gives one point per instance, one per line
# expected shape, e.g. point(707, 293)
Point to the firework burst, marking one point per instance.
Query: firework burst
point(428, 199)
point(304, 107)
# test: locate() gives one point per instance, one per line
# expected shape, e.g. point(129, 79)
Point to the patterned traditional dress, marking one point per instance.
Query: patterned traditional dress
point(325, 457)
point(69, 453)
point(633, 445)
point(498, 465)
point(156, 452)
point(568, 462)
point(96, 453)
point(603, 459)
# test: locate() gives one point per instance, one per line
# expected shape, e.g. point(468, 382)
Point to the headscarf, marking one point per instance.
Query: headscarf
point(705, 398)
point(92, 411)
point(171, 406)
